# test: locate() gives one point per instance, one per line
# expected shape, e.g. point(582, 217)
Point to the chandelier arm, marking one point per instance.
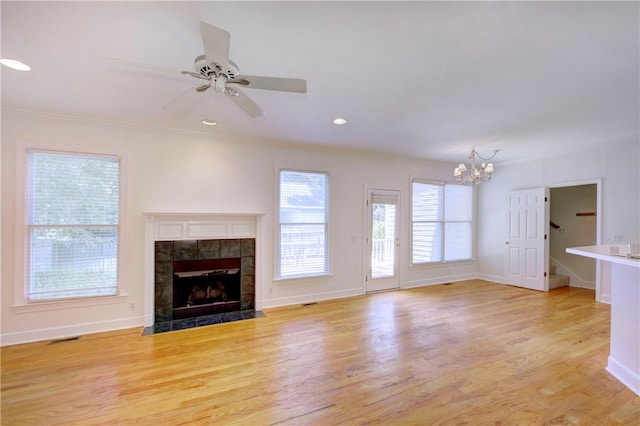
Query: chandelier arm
point(495, 151)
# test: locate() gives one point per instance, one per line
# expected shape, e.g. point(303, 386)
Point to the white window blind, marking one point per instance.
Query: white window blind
point(458, 216)
point(441, 216)
point(72, 225)
point(303, 217)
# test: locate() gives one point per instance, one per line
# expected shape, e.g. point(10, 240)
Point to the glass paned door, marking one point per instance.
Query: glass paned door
point(383, 241)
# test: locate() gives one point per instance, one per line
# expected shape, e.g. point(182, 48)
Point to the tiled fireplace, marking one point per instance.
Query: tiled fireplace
point(203, 277)
point(200, 264)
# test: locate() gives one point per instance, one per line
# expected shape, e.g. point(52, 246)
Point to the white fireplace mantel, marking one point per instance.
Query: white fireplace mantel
point(163, 226)
point(190, 226)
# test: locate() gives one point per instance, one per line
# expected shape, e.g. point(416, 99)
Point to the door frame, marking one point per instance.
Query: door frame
point(368, 190)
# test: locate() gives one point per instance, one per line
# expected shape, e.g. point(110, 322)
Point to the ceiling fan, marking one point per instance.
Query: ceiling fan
point(222, 75)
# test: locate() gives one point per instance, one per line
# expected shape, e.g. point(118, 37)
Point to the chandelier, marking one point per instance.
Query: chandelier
point(476, 174)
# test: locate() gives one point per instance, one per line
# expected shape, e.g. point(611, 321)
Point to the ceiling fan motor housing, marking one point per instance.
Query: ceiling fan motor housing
point(205, 69)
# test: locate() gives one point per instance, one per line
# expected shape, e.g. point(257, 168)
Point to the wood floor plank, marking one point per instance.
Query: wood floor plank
point(473, 352)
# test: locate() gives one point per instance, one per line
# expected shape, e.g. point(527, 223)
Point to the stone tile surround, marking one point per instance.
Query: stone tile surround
point(166, 252)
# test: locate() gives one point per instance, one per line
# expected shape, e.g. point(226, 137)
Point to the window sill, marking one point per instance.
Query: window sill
point(23, 308)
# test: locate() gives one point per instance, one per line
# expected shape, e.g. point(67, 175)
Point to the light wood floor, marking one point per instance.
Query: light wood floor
point(467, 353)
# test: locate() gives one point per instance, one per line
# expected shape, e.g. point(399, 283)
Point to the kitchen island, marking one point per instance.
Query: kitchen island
point(624, 351)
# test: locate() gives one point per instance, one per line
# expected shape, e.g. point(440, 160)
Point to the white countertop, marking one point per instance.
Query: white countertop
point(603, 252)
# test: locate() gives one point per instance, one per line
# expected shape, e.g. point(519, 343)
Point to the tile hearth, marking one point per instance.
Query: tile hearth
point(184, 324)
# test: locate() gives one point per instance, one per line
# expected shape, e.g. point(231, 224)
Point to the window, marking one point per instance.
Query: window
point(441, 220)
point(304, 222)
point(72, 224)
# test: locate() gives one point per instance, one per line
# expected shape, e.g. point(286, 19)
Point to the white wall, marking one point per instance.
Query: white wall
point(616, 165)
point(170, 171)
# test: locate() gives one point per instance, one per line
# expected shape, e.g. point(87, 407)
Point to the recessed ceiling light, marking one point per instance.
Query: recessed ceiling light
point(209, 122)
point(340, 121)
point(15, 64)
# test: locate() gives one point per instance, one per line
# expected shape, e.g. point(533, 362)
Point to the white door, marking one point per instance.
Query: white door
point(527, 244)
point(382, 241)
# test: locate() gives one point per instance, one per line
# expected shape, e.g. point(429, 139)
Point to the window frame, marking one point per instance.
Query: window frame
point(442, 223)
point(22, 303)
point(279, 223)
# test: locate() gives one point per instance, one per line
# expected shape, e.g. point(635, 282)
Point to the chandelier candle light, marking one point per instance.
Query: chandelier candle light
point(476, 175)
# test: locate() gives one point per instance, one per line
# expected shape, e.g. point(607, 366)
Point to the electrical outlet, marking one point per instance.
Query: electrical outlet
point(132, 306)
point(616, 237)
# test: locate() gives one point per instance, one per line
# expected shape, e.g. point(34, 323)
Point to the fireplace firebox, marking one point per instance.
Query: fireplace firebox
point(205, 287)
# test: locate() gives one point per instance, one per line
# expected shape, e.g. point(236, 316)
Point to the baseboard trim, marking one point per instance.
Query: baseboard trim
point(68, 331)
point(310, 298)
point(438, 280)
point(493, 278)
point(605, 298)
point(624, 375)
point(318, 297)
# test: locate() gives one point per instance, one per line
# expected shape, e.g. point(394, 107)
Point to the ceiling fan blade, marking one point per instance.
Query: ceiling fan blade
point(216, 43)
point(202, 88)
point(180, 101)
point(244, 102)
point(280, 84)
point(195, 75)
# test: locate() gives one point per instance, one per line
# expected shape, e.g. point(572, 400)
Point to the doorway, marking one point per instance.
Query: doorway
point(532, 228)
point(573, 221)
point(383, 240)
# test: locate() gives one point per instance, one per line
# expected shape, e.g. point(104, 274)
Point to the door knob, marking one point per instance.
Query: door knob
point(506, 242)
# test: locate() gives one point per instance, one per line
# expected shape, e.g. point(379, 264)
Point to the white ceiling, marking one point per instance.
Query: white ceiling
point(422, 79)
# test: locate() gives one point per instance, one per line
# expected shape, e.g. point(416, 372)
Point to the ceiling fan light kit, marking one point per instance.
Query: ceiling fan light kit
point(475, 174)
